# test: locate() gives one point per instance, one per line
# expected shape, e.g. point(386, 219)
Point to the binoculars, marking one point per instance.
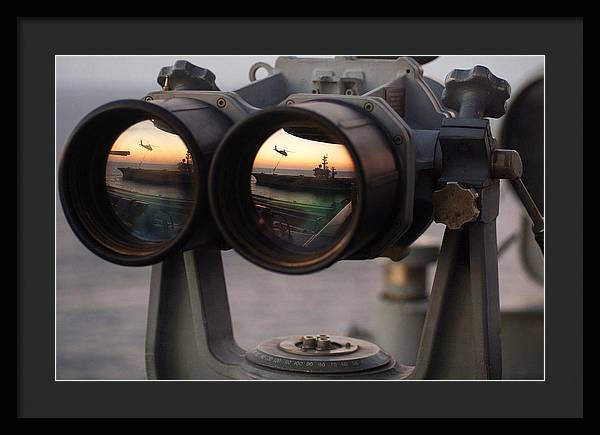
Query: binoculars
point(293, 173)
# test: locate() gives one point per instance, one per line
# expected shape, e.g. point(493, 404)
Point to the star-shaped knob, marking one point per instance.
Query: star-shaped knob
point(454, 206)
point(476, 93)
point(183, 75)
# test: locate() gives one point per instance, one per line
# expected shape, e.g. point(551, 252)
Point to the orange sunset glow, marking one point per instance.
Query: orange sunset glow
point(167, 148)
point(302, 153)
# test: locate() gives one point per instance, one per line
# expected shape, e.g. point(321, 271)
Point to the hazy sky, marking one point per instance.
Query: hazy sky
point(302, 153)
point(85, 82)
point(167, 148)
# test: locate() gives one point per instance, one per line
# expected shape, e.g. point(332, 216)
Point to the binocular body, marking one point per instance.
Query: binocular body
point(378, 117)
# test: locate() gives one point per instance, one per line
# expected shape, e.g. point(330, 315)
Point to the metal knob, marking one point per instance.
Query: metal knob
point(506, 164)
point(183, 75)
point(455, 206)
point(476, 93)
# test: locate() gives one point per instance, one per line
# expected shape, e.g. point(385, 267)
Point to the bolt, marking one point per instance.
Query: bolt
point(368, 106)
point(323, 343)
point(349, 92)
point(309, 342)
point(221, 102)
point(289, 102)
point(398, 139)
point(148, 98)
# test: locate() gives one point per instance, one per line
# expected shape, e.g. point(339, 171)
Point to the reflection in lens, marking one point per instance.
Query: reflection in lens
point(302, 191)
point(150, 182)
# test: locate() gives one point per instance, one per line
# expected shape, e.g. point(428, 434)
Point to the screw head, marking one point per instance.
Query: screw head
point(398, 139)
point(148, 98)
point(289, 102)
point(221, 102)
point(368, 106)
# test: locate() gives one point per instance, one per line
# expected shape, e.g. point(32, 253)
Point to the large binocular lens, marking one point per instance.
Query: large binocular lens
point(295, 188)
point(292, 188)
point(133, 178)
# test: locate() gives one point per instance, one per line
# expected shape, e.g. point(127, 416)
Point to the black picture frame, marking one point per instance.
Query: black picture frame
point(560, 395)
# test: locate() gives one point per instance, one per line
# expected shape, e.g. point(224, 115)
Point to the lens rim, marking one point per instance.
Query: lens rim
point(85, 200)
point(229, 187)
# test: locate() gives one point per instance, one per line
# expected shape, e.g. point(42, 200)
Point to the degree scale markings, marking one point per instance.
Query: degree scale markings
point(366, 356)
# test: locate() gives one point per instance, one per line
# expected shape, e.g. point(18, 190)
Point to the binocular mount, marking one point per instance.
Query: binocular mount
point(190, 333)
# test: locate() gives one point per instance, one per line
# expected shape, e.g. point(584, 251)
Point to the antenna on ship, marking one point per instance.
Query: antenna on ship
point(185, 163)
point(141, 161)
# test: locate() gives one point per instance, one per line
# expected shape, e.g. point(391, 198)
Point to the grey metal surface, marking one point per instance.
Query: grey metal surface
point(189, 333)
point(303, 74)
point(461, 335)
